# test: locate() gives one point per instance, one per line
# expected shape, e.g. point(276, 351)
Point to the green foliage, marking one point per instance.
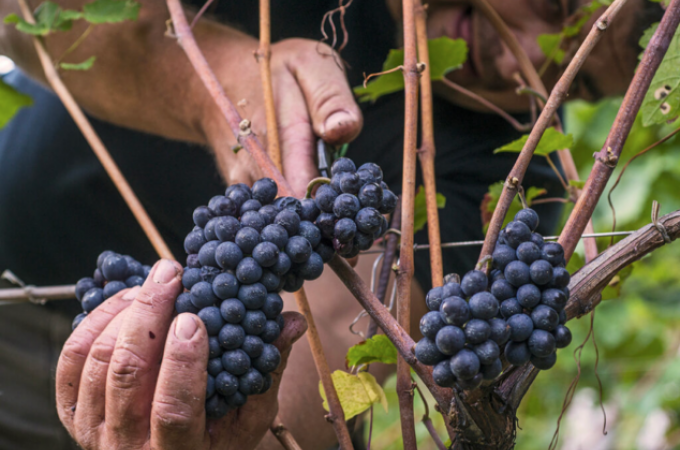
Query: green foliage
point(110, 11)
point(662, 100)
point(49, 18)
point(550, 46)
point(376, 349)
point(85, 65)
point(491, 201)
point(577, 183)
point(420, 207)
point(551, 141)
point(445, 55)
point(10, 102)
point(356, 392)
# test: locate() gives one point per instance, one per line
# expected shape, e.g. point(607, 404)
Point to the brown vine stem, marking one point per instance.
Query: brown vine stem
point(487, 104)
point(239, 127)
point(283, 435)
point(378, 312)
point(96, 143)
point(607, 158)
point(426, 419)
point(241, 130)
point(263, 57)
point(557, 96)
point(392, 243)
point(408, 193)
point(336, 415)
point(37, 294)
point(428, 151)
point(537, 86)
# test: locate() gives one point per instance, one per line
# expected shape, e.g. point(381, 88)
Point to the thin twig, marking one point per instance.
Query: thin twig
point(75, 45)
point(623, 170)
point(489, 105)
point(427, 421)
point(384, 72)
point(336, 415)
point(607, 158)
point(541, 201)
point(557, 96)
point(391, 246)
point(35, 294)
point(406, 265)
point(428, 151)
point(200, 13)
point(283, 435)
point(264, 59)
point(96, 143)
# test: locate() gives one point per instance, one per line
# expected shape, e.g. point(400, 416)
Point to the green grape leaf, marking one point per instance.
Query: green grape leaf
point(647, 36)
point(85, 65)
point(420, 208)
point(111, 11)
point(445, 55)
point(662, 100)
point(575, 263)
point(613, 289)
point(10, 102)
point(550, 141)
point(550, 46)
point(376, 349)
point(577, 183)
point(356, 392)
point(490, 202)
point(49, 17)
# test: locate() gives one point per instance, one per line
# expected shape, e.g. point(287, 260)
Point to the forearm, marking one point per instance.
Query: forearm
point(141, 78)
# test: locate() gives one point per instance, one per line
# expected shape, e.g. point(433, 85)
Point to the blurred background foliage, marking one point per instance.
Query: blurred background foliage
point(637, 333)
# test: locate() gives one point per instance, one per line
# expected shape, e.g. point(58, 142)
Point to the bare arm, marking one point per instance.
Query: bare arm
point(142, 80)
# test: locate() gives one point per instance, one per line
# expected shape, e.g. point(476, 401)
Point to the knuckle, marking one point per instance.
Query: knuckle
point(76, 349)
point(127, 367)
point(172, 413)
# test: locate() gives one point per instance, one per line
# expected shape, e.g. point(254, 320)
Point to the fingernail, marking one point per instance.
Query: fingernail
point(132, 293)
point(165, 271)
point(186, 327)
point(337, 120)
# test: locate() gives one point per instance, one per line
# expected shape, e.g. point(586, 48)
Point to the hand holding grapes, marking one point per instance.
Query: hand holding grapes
point(114, 391)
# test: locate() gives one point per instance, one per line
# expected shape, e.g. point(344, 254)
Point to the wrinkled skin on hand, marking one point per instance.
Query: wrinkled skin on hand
point(132, 377)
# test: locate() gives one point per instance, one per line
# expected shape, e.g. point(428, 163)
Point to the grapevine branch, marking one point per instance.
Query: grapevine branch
point(392, 243)
point(607, 158)
point(557, 96)
point(408, 192)
point(241, 130)
point(37, 294)
point(427, 150)
point(283, 435)
point(537, 86)
point(96, 143)
point(263, 56)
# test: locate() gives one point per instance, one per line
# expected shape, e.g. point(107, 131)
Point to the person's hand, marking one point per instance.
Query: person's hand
point(312, 99)
point(131, 377)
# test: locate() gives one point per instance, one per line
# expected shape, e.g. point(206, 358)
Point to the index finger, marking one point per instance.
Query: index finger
point(135, 362)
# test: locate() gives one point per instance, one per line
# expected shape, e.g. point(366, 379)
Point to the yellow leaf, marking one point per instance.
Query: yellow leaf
point(356, 393)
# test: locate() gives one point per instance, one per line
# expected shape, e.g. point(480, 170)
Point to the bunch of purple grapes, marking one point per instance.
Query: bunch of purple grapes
point(530, 280)
point(352, 206)
point(113, 274)
point(519, 308)
point(246, 247)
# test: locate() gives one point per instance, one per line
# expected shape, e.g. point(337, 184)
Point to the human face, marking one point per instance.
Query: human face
point(491, 67)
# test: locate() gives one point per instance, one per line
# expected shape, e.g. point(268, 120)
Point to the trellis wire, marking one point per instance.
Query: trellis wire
point(40, 295)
